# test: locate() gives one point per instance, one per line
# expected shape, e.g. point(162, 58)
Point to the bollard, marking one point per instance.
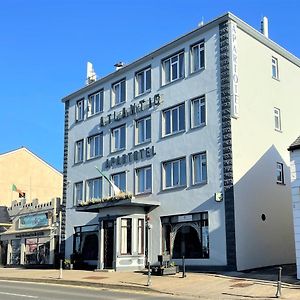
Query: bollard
point(60, 269)
point(278, 292)
point(149, 283)
point(183, 267)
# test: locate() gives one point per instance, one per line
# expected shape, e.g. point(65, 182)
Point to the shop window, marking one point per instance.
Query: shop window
point(190, 238)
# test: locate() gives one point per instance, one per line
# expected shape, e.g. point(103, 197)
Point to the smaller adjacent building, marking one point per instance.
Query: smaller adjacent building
point(295, 186)
point(33, 237)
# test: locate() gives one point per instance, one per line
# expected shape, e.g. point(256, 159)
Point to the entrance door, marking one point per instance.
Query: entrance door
point(108, 227)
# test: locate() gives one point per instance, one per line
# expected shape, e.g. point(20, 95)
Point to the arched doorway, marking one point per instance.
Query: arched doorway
point(186, 243)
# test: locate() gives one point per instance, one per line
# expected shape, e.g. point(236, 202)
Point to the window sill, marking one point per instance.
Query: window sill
point(94, 115)
point(78, 163)
point(117, 151)
point(93, 158)
point(171, 82)
point(278, 130)
point(173, 134)
point(141, 95)
point(143, 143)
point(198, 127)
point(117, 105)
point(199, 184)
point(280, 183)
point(175, 188)
point(276, 78)
point(143, 194)
point(196, 72)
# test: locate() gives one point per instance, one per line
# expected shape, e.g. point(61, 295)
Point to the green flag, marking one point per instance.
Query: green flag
point(116, 190)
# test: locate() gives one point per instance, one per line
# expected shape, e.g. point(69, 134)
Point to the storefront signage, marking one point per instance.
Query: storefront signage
point(130, 157)
point(30, 234)
point(234, 71)
point(32, 221)
point(133, 109)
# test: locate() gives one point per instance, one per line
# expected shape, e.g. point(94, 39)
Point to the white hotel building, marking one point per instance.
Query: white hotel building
point(197, 132)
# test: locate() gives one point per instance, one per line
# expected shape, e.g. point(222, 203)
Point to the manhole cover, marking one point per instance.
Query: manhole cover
point(241, 284)
point(95, 277)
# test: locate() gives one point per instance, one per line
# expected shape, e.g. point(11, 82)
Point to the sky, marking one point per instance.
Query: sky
point(45, 45)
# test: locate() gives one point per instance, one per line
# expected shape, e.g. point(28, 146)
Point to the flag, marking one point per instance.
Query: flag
point(15, 189)
point(116, 190)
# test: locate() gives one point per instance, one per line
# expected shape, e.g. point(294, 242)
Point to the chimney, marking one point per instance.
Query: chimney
point(119, 65)
point(265, 27)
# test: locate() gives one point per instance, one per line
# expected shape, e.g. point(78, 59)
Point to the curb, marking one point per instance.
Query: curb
point(88, 284)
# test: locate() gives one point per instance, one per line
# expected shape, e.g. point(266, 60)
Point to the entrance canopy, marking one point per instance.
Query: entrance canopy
point(133, 202)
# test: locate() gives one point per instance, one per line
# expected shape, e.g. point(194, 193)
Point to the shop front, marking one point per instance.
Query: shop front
point(33, 238)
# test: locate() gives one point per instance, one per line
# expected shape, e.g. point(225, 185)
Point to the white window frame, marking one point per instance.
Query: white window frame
point(144, 88)
point(78, 145)
point(275, 73)
point(113, 143)
point(200, 47)
point(277, 119)
point(76, 201)
point(164, 112)
point(117, 94)
point(202, 105)
point(92, 103)
point(93, 180)
point(140, 236)
point(91, 140)
point(203, 160)
point(144, 169)
point(125, 229)
point(144, 120)
point(169, 63)
point(116, 182)
point(279, 173)
point(79, 110)
point(164, 177)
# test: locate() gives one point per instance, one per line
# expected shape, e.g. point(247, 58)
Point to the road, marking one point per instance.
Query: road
point(13, 290)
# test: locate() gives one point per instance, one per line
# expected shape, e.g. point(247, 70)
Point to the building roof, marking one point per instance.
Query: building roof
point(295, 145)
point(215, 22)
point(32, 154)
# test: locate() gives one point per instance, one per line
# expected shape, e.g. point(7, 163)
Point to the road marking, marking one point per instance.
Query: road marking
point(18, 295)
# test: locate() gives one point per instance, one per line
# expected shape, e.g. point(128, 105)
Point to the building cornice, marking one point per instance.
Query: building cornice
point(212, 24)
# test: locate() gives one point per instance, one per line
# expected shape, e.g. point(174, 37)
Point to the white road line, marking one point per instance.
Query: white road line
point(18, 295)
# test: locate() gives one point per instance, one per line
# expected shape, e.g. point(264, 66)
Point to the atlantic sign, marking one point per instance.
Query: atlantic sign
point(133, 109)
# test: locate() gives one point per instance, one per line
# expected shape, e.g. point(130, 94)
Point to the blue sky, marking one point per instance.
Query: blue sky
point(45, 44)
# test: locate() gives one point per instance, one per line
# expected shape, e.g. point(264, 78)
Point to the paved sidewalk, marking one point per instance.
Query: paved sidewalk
point(233, 285)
